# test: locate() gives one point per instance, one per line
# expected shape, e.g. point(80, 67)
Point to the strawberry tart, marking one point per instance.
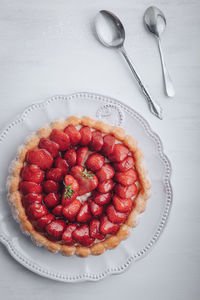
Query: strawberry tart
point(78, 185)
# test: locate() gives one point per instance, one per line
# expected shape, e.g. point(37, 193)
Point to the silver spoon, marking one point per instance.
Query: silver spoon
point(155, 21)
point(111, 34)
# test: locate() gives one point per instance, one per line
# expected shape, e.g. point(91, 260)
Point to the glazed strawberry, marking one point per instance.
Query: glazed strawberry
point(101, 199)
point(61, 138)
point(40, 157)
point(67, 234)
point(31, 198)
point(105, 186)
point(55, 229)
point(27, 187)
point(36, 211)
point(126, 191)
point(61, 164)
point(86, 136)
point(84, 214)
point(95, 162)
point(115, 216)
point(86, 179)
point(82, 236)
point(105, 173)
point(95, 208)
point(57, 211)
point(119, 153)
point(108, 144)
point(94, 230)
point(70, 157)
point(81, 155)
point(73, 134)
point(71, 189)
point(126, 178)
point(122, 205)
point(32, 173)
point(44, 221)
point(54, 174)
point(50, 146)
point(71, 210)
point(107, 227)
point(50, 186)
point(125, 164)
point(51, 200)
point(97, 141)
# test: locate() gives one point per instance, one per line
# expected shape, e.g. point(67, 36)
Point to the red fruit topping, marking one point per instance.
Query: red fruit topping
point(50, 186)
point(119, 153)
point(71, 210)
point(54, 174)
point(70, 157)
point(115, 216)
point(40, 157)
point(87, 180)
point(81, 235)
point(126, 191)
point(122, 205)
point(32, 173)
point(84, 214)
point(107, 227)
point(31, 198)
point(61, 164)
point(124, 165)
point(61, 138)
point(73, 134)
point(51, 200)
point(105, 186)
point(55, 229)
point(96, 209)
point(71, 182)
point(50, 146)
point(108, 144)
point(81, 155)
point(44, 221)
point(86, 136)
point(97, 141)
point(71, 189)
point(36, 211)
point(126, 178)
point(57, 211)
point(94, 162)
point(67, 234)
point(94, 230)
point(27, 187)
point(101, 199)
point(105, 173)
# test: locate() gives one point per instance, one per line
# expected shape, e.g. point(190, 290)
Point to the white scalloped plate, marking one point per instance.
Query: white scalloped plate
point(152, 221)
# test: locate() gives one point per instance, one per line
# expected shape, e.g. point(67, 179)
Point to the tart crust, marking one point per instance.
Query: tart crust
point(140, 200)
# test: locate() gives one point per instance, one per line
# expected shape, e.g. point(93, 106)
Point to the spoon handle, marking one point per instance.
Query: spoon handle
point(167, 79)
point(154, 107)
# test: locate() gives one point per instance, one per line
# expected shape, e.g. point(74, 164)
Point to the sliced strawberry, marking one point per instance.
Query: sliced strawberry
point(87, 180)
point(71, 210)
point(50, 146)
point(95, 208)
point(61, 164)
point(36, 211)
point(50, 186)
point(101, 199)
point(32, 173)
point(122, 205)
point(40, 157)
point(69, 180)
point(70, 157)
point(115, 216)
point(97, 141)
point(108, 144)
point(73, 134)
point(126, 191)
point(31, 198)
point(51, 200)
point(107, 227)
point(126, 178)
point(84, 214)
point(55, 229)
point(44, 221)
point(57, 211)
point(105, 186)
point(81, 235)
point(94, 230)
point(81, 155)
point(95, 162)
point(125, 164)
point(54, 174)
point(86, 136)
point(105, 173)
point(67, 234)
point(61, 138)
point(71, 189)
point(27, 187)
point(119, 153)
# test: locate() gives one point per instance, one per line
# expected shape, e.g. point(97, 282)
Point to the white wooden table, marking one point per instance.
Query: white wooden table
point(46, 48)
